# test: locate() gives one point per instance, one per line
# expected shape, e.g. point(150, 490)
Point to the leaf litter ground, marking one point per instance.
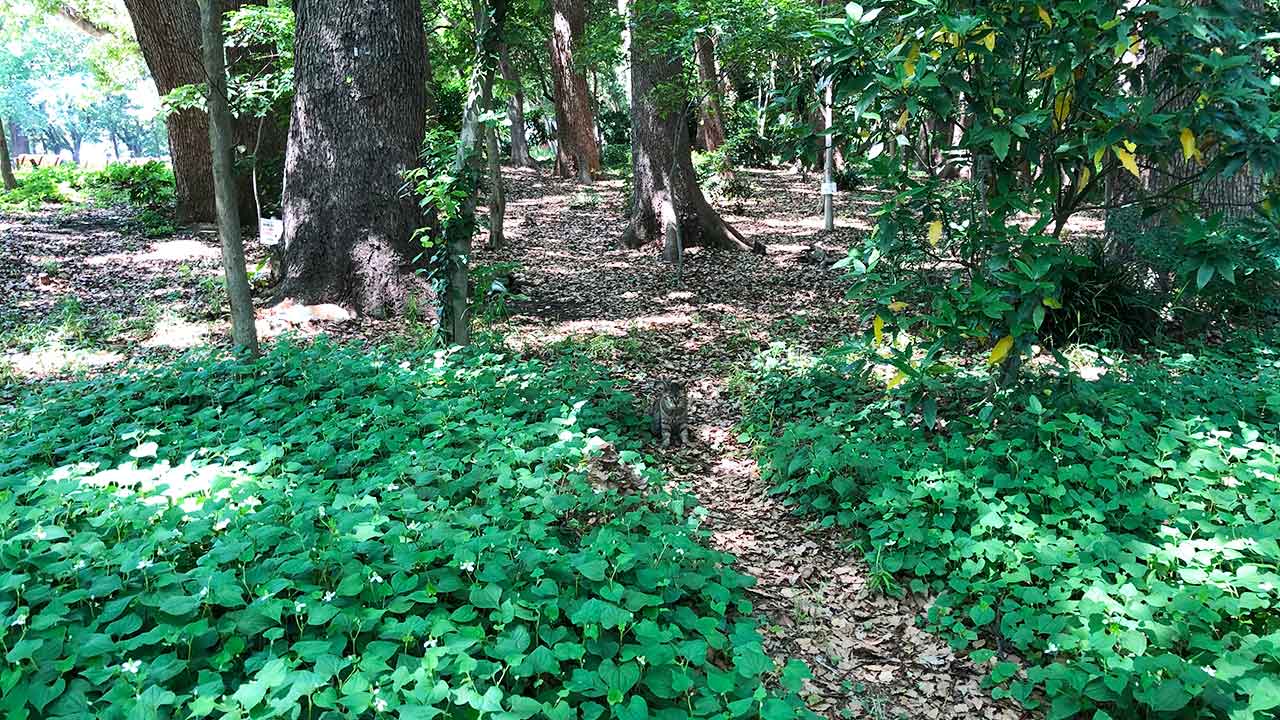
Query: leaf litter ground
point(86, 292)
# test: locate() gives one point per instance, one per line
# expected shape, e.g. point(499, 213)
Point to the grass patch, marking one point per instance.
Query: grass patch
point(352, 533)
point(1119, 536)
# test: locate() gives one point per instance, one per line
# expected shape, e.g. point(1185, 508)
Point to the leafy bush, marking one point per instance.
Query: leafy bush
point(616, 157)
point(1118, 535)
point(149, 185)
point(356, 533)
point(52, 185)
point(148, 188)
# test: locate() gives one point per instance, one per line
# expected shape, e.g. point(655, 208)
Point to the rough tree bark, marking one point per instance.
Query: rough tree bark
point(577, 154)
point(6, 165)
point(243, 331)
point(520, 156)
point(667, 204)
point(359, 117)
point(168, 34)
point(711, 133)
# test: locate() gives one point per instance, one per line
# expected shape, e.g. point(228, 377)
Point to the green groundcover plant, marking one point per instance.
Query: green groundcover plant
point(335, 532)
point(1114, 541)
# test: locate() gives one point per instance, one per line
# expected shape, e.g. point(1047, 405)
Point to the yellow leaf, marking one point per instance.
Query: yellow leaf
point(990, 41)
point(935, 232)
point(1052, 303)
point(1047, 73)
point(1044, 16)
point(1061, 108)
point(1127, 160)
point(877, 326)
point(1130, 145)
point(1097, 158)
point(898, 306)
point(1083, 180)
point(1188, 139)
point(902, 120)
point(909, 70)
point(1001, 350)
point(896, 381)
point(955, 39)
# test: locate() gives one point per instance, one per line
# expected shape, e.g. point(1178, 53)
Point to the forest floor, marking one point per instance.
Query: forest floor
point(87, 291)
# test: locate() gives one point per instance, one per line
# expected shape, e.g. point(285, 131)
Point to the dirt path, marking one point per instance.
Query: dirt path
point(626, 310)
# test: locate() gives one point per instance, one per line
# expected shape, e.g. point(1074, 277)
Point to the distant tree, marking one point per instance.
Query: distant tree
point(359, 118)
point(667, 204)
point(520, 156)
point(577, 153)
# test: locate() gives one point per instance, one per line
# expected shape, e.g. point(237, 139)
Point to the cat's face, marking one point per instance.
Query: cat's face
point(674, 393)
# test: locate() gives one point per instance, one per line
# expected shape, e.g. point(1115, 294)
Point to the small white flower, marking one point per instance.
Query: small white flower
point(1209, 671)
point(468, 566)
point(251, 501)
point(221, 524)
point(1231, 482)
point(321, 511)
point(1266, 587)
point(430, 643)
point(299, 606)
point(642, 660)
point(1053, 648)
point(553, 551)
point(375, 578)
point(404, 365)
point(145, 563)
point(40, 533)
point(680, 551)
point(19, 621)
point(392, 487)
point(80, 564)
point(376, 689)
point(379, 705)
point(131, 666)
point(204, 592)
point(413, 525)
point(328, 597)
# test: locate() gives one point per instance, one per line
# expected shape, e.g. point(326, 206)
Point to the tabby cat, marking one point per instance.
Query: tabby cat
point(670, 412)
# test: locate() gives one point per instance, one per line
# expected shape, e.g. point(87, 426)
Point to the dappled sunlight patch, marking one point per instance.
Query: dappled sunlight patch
point(55, 358)
point(184, 249)
point(173, 331)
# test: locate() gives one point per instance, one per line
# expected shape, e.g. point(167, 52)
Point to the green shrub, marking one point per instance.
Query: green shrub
point(1118, 535)
point(149, 185)
point(148, 188)
point(52, 185)
point(616, 157)
point(347, 533)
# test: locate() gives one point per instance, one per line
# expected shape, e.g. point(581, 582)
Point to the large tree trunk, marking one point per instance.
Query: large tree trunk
point(576, 151)
point(358, 122)
point(520, 156)
point(667, 204)
point(168, 34)
point(6, 165)
point(711, 133)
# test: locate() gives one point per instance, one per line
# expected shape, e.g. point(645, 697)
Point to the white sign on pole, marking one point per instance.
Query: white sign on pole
point(270, 231)
point(828, 188)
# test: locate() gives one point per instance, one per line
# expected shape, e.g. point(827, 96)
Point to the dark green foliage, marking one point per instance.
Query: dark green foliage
point(354, 533)
point(149, 188)
point(1120, 534)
